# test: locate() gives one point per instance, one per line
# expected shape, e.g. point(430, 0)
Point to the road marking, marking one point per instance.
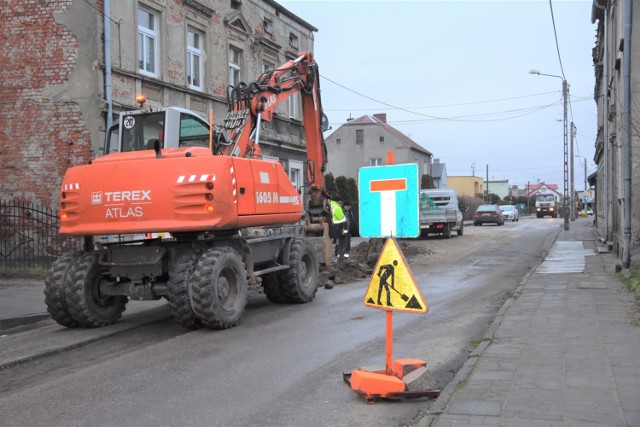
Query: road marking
point(565, 257)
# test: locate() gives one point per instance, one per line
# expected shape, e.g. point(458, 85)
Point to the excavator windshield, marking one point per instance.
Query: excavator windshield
point(139, 132)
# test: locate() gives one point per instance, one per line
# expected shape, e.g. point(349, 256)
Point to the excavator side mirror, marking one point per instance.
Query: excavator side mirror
point(324, 123)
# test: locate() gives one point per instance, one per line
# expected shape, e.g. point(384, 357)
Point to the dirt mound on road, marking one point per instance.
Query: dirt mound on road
point(362, 260)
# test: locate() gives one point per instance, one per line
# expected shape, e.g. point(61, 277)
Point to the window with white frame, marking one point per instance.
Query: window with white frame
point(376, 161)
point(294, 106)
point(147, 42)
point(295, 173)
point(194, 59)
point(235, 66)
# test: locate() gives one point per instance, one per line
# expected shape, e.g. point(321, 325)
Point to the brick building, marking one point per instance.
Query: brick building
point(59, 80)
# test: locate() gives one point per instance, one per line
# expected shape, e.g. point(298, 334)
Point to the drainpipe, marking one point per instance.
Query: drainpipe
point(107, 64)
point(605, 115)
point(626, 134)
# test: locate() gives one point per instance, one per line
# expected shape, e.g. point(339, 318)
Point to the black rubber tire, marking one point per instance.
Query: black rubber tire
point(272, 289)
point(300, 281)
point(179, 286)
point(460, 231)
point(219, 288)
point(82, 295)
point(447, 231)
point(54, 289)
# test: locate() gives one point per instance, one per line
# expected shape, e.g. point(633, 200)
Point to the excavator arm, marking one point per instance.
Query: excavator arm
point(250, 104)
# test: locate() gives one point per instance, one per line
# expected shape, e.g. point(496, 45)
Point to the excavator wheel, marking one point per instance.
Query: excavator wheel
point(219, 288)
point(300, 282)
point(180, 287)
point(82, 294)
point(272, 289)
point(54, 289)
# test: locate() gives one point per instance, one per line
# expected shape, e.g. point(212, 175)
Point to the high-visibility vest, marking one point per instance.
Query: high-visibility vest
point(337, 215)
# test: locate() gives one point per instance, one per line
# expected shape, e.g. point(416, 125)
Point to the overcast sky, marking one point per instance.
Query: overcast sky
point(454, 77)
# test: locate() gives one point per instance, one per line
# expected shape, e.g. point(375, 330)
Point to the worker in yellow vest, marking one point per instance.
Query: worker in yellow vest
point(339, 225)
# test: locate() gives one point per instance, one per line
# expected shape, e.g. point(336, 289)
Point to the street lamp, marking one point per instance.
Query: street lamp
point(565, 96)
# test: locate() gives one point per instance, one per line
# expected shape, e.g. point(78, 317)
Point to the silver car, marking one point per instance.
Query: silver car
point(510, 213)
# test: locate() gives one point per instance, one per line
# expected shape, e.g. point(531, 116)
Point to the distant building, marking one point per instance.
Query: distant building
point(547, 188)
point(365, 141)
point(471, 186)
point(439, 174)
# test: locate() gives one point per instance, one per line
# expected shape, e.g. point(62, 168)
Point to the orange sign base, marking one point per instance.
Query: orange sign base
point(377, 383)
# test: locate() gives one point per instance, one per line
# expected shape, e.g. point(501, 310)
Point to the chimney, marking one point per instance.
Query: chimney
point(381, 116)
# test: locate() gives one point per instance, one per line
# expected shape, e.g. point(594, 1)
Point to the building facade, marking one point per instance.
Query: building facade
point(66, 75)
point(365, 141)
point(439, 174)
point(470, 186)
point(616, 56)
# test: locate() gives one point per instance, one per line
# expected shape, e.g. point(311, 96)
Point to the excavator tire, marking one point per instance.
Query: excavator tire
point(54, 289)
point(82, 294)
point(299, 283)
point(219, 288)
point(180, 287)
point(272, 289)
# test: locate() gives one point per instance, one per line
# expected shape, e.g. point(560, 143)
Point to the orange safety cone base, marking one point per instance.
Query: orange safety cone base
point(373, 382)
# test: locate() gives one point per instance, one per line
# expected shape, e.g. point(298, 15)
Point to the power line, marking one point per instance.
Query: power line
point(555, 34)
point(446, 105)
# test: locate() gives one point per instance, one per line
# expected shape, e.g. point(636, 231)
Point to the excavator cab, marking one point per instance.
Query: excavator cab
point(170, 127)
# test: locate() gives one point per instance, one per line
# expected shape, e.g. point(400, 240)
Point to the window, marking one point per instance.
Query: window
point(194, 59)
point(293, 104)
point(267, 66)
point(376, 161)
point(235, 66)
point(193, 132)
point(139, 132)
point(295, 173)
point(338, 141)
point(382, 139)
point(359, 136)
point(293, 41)
point(267, 25)
point(147, 42)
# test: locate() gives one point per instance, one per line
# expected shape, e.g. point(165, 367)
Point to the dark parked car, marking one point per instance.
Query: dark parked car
point(488, 214)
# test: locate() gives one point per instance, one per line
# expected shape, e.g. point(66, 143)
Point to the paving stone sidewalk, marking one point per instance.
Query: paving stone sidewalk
point(564, 351)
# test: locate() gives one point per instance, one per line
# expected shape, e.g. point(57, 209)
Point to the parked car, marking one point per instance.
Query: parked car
point(488, 214)
point(510, 213)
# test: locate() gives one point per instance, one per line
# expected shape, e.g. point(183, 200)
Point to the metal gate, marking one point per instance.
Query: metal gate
point(29, 237)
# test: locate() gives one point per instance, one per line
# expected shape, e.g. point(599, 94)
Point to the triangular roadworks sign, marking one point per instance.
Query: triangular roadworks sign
point(392, 285)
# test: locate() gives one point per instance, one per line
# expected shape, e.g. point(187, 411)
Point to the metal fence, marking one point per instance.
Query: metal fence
point(29, 237)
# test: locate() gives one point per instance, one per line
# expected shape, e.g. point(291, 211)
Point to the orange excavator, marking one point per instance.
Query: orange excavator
point(220, 217)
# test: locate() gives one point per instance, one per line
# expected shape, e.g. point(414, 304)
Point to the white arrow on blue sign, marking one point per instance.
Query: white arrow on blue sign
point(388, 200)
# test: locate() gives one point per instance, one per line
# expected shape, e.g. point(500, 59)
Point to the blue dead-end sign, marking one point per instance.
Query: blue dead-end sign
point(388, 199)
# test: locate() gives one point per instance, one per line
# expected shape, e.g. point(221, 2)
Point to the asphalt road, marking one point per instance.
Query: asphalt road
point(283, 365)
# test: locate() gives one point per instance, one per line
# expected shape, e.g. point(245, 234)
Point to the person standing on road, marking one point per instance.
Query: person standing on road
point(351, 227)
point(338, 226)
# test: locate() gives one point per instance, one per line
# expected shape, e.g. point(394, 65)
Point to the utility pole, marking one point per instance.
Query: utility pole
point(572, 207)
point(565, 97)
point(487, 185)
point(585, 174)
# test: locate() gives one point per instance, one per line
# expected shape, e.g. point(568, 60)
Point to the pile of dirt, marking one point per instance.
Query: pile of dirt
point(362, 260)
